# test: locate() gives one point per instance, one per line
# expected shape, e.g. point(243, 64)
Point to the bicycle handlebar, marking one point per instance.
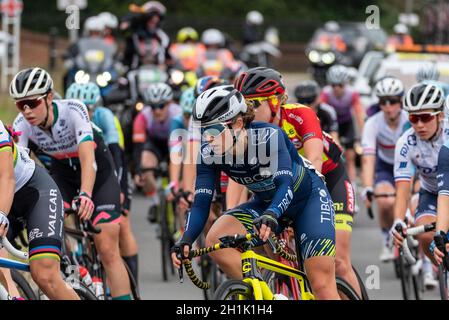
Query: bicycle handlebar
point(409, 257)
point(13, 251)
point(236, 241)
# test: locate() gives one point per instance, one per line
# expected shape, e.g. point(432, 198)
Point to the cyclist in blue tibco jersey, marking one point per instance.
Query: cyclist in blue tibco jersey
point(261, 157)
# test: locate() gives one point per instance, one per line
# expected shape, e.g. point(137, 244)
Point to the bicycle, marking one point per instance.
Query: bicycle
point(81, 290)
point(443, 276)
point(410, 264)
point(253, 285)
point(86, 256)
point(165, 218)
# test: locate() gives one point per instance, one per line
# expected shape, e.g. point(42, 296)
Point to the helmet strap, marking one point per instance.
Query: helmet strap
point(436, 131)
point(274, 105)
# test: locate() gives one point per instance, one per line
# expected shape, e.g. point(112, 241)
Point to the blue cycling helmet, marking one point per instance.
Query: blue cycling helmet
point(208, 82)
point(187, 100)
point(88, 93)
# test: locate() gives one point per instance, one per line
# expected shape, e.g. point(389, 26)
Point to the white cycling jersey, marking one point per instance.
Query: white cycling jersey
point(23, 165)
point(70, 127)
point(423, 155)
point(378, 136)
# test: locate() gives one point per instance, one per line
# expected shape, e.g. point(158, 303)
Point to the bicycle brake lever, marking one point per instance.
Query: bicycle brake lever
point(180, 270)
point(272, 244)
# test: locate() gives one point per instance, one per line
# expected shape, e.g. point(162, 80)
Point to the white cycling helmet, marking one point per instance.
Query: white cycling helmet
point(94, 23)
point(428, 72)
point(157, 94)
point(337, 74)
point(109, 20)
point(389, 87)
point(219, 104)
point(400, 28)
point(422, 97)
point(213, 37)
point(30, 82)
point(332, 26)
point(255, 18)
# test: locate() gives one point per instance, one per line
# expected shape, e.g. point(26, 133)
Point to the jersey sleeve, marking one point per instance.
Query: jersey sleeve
point(369, 137)
point(140, 128)
point(282, 178)
point(403, 166)
point(175, 143)
point(306, 123)
point(204, 190)
point(443, 170)
point(21, 126)
point(6, 142)
point(107, 124)
point(81, 122)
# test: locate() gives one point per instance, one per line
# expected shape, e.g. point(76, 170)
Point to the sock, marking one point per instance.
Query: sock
point(132, 263)
point(125, 297)
point(386, 237)
point(426, 265)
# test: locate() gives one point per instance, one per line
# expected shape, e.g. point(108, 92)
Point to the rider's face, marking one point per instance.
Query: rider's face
point(263, 112)
point(160, 114)
point(153, 22)
point(338, 89)
point(391, 109)
point(426, 130)
point(224, 142)
point(38, 114)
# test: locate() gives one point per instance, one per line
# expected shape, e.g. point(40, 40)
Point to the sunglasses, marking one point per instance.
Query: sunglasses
point(157, 106)
point(31, 103)
point(257, 102)
point(423, 117)
point(306, 101)
point(337, 85)
point(214, 130)
point(389, 101)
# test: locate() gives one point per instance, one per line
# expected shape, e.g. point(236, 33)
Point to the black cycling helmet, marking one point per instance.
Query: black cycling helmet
point(307, 91)
point(260, 82)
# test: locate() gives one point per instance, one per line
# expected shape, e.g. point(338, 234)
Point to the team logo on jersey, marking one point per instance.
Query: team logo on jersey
point(296, 117)
point(349, 197)
point(411, 140)
point(403, 165)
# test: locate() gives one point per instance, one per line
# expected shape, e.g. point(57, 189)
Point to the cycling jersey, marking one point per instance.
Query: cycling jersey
point(301, 124)
point(443, 170)
point(23, 165)
point(380, 139)
point(423, 155)
point(105, 120)
point(145, 127)
point(71, 126)
point(287, 188)
point(343, 104)
point(328, 118)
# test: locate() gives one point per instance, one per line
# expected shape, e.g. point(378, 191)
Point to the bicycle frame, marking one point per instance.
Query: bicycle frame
point(252, 276)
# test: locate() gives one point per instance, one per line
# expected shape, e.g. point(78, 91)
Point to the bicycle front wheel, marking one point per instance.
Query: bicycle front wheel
point(234, 290)
point(345, 290)
point(23, 286)
point(442, 279)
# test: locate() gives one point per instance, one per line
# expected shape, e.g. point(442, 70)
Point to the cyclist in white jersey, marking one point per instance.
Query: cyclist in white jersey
point(82, 165)
point(419, 147)
point(29, 194)
point(379, 138)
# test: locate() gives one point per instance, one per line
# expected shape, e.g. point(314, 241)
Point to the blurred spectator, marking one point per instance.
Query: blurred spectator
point(330, 38)
point(401, 37)
point(188, 51)
point(110, 22)
point(216, 57)
point(252, 30)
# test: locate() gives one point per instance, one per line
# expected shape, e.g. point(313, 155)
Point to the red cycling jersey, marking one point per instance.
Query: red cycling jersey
point(301, 124)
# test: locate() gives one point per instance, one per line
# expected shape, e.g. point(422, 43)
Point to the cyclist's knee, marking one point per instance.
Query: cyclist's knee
point(342, 265)
point(45, 272)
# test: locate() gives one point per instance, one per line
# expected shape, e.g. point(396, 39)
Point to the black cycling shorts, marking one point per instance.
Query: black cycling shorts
point(346, 134)
point(38, 205)
point(343, 197)
point(106, 192)
point(158, 147)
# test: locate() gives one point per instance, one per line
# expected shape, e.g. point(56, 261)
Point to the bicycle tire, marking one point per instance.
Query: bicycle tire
point(23, 286)
point(442, 281)
point(418, 285)
point(135, 292)
point(233, 287)
point(405, 278)
point(164, 236)
point(84, 292)
point(346, 289)
point(361, 284)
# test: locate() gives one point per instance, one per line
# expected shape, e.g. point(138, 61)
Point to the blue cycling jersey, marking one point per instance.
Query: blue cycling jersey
point(104, 119)
point(443, 170)
point(271, 169)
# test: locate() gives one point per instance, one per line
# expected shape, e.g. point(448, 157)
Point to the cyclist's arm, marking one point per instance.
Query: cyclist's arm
point(7, 178)
point(176, 141)
point(204, 189)
point(139, 138)
point(443, 190)
point(21, 125)
point(282, 178)
point(369, 146)
point(403, 173)
point(359, 111)
point(86, 146)
point(313, 151)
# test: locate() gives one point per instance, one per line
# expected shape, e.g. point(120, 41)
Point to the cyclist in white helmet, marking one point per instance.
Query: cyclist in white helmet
point(379, 138)
point(110, 22)
point(151, 132)
point(419, 147)
point(429, 73)
point(252, 31)
point(217, 57)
